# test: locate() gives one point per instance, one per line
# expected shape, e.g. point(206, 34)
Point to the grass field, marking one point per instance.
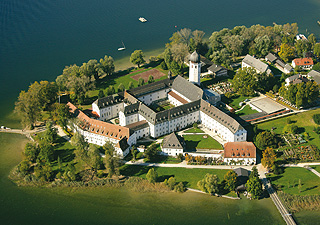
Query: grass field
point(234, 102)
point(317, 168)
point(189, 177)
point(194, 130)
point(197, 141)
point(289, 181)
point(246, 111)
point(124, 78)
point(303, 120)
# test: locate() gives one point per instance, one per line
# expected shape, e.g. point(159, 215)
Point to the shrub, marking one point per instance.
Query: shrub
point(316, 118)
point(164, 65)
point(179, 187)
point(290, 128)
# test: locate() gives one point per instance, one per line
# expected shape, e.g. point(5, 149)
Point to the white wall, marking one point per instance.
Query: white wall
point(194, 72)
point(109, 112)
point(244, 161)
point(149, 98)
point(171, 151)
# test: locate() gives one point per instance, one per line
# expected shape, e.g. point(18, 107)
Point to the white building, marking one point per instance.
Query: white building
point(138, 120)
point(260, 67)
point(243, 153)
point(194, 68)
point(173, 145)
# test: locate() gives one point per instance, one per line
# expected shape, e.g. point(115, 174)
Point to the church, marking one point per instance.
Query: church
point(185, 103)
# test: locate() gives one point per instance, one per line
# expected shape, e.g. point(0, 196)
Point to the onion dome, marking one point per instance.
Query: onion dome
point(195, 57)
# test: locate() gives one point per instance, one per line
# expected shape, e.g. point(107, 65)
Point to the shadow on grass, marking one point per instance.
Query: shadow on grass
point(129, 170)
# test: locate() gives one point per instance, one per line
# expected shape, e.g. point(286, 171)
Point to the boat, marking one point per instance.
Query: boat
point(122, 48)
point(143, 20)
point(318, 22)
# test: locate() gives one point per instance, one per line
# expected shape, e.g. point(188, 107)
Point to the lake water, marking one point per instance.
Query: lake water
point(39, 37)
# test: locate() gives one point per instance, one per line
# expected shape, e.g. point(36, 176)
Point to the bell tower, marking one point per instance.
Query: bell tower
point(194, 68)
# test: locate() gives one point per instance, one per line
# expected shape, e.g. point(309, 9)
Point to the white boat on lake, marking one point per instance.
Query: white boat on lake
point(122, 48)
point(143, 20)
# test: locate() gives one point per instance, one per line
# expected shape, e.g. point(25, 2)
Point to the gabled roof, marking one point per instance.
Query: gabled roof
point(242, 172)
point(99, 127)
point(108, 101)
point(303, 62)
point(173, 141)
point(255, 63)
point(315, 75)
point(288, 67)
point(271, 57)
point(131, 109)
point(239, 150)
point(187, 89)
point(152, 87)
point(220, 116)
point(138, 125)
point(216, 68)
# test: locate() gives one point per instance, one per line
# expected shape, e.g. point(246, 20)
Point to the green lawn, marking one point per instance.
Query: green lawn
point(246, 111)
point(124, 78)
point(234, 102)
point(194, 130)
point(64, 150)
point(189, 177)
point(303, 120)
point(197, 141)
point(289, 180)
point(165, 159)
point(317, 168)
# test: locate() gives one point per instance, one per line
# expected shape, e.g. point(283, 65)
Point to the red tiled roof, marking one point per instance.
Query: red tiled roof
point(239, 150)
point(176, 96)
point(303, 61)
point(99, 127)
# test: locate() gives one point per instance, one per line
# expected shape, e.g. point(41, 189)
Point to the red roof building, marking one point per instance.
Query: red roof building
point(240, 153)
point(303, 62)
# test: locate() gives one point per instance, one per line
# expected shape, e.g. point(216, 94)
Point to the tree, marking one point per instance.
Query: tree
point(152, 175)
point(94, 158)
point(112, 161)
point(231, 180)
point(286, 52)
point(91, 69)
point(179, 187)
point(131, 85)
point(171, 182)
point(50, 134)
point(151, 152)
point(81, 147)
point(265, 139)
point(175, 68)
point(316, 49)
point(254, 187)
point(163, 65)
point(180, 157)
point(316, 67)
point(245, 81)
point(101, 94)
point(24, 167)
point(121, 87)
point(179, 52)
point(254, 172)
point(209, 184)
point(137, 57)
point(312, 39)
point(31, 151)
point(59, 161)
point(107, 65)
point(46, 152)
point(302, 47)
point(150, 79)
point(316, 118)
point(262, 45)
point(60, 114)
point(268, 157)
point(134, 152)
point(70, 173)
point(140, 82)
point(291, 129)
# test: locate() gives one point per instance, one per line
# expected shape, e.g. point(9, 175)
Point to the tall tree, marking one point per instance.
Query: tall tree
point(268, 157)
point(286, 52)
point(121, 87)
point(265, 139)
point(316, 49)
point(112, 161)
point(245, 81)
point(231, 180)
point(150, 79)
point(254, 187)
point(152, 175)
point(151, 152)
point(131, 85)
point(137, 57)
point(107, 65)
point(140, 81)
point(209, 184)
point(302, 47)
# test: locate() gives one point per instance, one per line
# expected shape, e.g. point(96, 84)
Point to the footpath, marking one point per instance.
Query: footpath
point(275, 198)
point(304, 165)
